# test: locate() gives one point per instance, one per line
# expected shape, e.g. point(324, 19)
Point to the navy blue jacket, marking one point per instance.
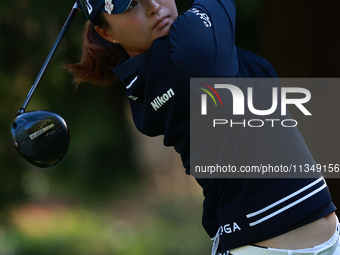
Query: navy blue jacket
point(201, 44)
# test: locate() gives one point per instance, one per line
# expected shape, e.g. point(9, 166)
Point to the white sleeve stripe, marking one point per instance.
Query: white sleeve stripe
point(285, 198)
point(132, 82)
point(288, 206)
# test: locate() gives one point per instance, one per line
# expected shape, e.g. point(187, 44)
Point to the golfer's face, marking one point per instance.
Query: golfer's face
point(143, 22)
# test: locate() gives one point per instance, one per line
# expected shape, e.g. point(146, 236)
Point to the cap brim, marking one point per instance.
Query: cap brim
point(121, 6)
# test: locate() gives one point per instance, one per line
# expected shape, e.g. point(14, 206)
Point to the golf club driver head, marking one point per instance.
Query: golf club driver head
point(41, 137)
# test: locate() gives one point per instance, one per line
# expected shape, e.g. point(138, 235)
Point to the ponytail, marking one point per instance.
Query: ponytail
point(99, 57)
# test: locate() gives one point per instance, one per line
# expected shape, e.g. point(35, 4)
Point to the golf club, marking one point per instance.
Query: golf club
point(42, 137)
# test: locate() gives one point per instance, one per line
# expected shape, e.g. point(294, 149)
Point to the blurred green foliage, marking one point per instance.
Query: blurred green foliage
point(164, 229)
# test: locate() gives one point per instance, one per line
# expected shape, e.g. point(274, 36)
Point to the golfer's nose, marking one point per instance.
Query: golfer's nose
point(152, 7)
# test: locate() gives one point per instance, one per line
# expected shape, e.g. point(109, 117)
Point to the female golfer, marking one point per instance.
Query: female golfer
point(155, 51)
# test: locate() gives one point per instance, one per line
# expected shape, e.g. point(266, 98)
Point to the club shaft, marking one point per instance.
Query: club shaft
point(49, 57)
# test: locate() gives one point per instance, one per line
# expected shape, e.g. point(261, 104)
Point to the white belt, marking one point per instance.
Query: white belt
point(253, 250)
point(327, 248)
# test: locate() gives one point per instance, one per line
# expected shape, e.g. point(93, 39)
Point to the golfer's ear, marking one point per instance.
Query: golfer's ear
point(106, 34)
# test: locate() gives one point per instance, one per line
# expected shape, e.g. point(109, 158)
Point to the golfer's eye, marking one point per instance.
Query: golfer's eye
point(132, 4)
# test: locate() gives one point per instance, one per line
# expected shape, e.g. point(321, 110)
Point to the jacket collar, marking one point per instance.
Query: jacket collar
point(127, 68)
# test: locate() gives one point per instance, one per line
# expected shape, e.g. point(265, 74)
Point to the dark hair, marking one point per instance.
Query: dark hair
point(98, 57)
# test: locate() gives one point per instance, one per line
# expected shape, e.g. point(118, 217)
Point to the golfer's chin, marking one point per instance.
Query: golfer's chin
point(162, 32)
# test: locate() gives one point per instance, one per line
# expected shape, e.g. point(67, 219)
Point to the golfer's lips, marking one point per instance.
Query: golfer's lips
point(162, 22)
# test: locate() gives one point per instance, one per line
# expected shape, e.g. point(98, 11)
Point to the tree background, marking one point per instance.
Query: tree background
point(117, 191)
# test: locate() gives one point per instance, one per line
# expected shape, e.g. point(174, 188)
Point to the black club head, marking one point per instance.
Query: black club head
point(41, 137)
